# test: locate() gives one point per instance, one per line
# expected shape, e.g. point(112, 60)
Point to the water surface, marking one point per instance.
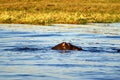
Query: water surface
point(25, 52)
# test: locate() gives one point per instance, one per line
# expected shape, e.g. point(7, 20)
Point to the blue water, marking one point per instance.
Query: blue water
point(25, 52)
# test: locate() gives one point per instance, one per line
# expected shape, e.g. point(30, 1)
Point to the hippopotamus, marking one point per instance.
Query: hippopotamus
point(66, 46)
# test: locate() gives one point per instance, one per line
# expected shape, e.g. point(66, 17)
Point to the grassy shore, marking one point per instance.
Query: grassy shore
point(46, 12)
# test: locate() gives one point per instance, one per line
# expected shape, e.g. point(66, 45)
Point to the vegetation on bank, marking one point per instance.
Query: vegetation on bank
point(45, 12)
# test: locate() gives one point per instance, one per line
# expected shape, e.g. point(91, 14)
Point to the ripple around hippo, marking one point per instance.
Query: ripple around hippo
point(65, 48)
point(23, 49)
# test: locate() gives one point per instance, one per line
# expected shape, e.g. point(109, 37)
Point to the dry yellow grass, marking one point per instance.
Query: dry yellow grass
point(46, 12)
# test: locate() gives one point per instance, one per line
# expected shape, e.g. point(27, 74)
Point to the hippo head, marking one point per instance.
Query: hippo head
point(65, 46)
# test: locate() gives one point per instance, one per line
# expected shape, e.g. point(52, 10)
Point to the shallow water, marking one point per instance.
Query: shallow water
point(25, 52)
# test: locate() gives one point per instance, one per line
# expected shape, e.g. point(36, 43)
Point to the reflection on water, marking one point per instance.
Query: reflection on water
point(25, 52)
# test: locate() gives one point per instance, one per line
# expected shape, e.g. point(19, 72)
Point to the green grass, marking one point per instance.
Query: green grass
point(45, 12)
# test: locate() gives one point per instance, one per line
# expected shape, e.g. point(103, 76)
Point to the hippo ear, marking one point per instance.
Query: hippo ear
point(68, 44)
point(63, 44)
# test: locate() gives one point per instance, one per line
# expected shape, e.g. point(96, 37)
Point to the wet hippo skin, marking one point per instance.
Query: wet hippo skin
point(66, 46)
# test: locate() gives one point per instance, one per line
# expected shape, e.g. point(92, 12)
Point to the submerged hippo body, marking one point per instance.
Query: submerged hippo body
point(66, 46)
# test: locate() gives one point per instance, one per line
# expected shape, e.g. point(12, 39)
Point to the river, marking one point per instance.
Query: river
point(25, 52)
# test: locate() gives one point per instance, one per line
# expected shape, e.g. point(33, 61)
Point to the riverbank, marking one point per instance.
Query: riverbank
point(46, 12)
